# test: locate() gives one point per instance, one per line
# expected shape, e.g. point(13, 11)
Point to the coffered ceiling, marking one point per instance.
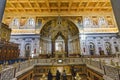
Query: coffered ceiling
point(55, 7)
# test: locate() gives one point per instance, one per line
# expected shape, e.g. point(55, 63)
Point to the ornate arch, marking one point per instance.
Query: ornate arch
point(63, 25)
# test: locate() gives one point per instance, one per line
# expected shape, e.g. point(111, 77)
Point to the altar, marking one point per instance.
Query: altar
point(60, 54)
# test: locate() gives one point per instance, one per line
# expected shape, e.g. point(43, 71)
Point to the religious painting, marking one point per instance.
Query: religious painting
point(22, 21)
point(95, 20)
point(53, 70)
point(80, 21)
point(109, 20)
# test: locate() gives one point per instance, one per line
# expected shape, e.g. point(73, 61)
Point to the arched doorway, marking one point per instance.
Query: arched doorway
point(92, 48)
point(57, 34)
point(27, 50)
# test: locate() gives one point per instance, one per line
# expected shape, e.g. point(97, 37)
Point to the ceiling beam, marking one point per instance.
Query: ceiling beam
point(70, 3)
point(21, 6)
point(59, 3)
point(14, 7)
point(38, 5)
point(56, 14)
point(30, 5)
point(48, 6)
point(79, 6)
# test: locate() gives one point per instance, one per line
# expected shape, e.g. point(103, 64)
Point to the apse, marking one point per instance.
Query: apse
point(59, 35)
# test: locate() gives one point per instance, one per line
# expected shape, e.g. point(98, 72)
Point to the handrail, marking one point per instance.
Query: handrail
point(97, 64)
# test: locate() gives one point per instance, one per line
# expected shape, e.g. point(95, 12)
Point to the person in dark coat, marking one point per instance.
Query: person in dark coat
point(73, 71)
point(64, 76)
point(58, 75)
point(50, 76)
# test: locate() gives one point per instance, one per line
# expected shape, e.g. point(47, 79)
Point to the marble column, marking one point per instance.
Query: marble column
point(72, 47)
point(77, 46)
point(50, 49)
point(69, 47)
point(66, 47)
point(2, 8)
point(42, 49)
point(116, 10)
point(53, 47)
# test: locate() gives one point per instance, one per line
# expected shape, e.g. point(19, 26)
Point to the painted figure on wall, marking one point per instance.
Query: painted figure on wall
point(95, 21)
point(80, 22)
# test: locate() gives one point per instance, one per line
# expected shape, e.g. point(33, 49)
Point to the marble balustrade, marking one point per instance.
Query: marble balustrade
point(110, 71)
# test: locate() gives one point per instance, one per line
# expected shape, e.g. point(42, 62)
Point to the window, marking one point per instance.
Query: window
point(102, 21)
point(15, 22)
point(87, 22)
point(31, 21)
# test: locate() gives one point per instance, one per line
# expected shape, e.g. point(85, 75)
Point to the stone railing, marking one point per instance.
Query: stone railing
point(112, 72)
point(109, 71)
point(7, 74)
point(108, 68)
point(97, 64)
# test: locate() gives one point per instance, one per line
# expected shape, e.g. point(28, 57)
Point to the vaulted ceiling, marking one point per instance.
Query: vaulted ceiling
point(55, 7)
